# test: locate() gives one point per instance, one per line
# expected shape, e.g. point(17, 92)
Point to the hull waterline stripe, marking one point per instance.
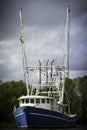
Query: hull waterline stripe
point(19, 114)
point(50, 116)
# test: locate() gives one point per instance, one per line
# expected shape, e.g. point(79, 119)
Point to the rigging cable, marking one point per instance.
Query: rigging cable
point(60, 41)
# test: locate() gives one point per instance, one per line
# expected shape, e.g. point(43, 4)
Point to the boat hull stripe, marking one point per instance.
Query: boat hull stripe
point(51, 116)
point(19, 114)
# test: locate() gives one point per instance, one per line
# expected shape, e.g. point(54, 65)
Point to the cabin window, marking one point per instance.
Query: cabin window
point(22, 100)
point(37, 100)
point(48, 101)
point(27, 100)
point(31, 100)
point(43, 100)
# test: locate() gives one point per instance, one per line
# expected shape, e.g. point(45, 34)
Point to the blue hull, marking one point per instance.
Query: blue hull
point(37, 117)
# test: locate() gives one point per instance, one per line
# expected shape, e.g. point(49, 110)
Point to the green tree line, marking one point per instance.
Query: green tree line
point(76, 90)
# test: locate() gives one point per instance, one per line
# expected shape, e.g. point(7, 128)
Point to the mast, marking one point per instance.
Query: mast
point(66, 64)
point(67, 39)
point(25, 68)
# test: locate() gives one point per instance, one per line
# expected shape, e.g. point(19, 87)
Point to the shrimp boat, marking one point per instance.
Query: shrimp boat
point(44, 106)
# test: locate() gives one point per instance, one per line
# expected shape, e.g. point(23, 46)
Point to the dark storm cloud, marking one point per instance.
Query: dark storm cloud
point(8, 19)
point(79, 7)
point(48, 15)
point(39, 12)
point(45, 12)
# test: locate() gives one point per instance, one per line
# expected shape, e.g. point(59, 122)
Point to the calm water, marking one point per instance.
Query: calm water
point(76, 128)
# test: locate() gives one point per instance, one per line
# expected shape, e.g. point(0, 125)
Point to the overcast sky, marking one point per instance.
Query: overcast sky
point(43, 22)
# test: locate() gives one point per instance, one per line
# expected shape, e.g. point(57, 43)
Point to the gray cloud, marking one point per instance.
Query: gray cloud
point(79, 8)
point(42, 42)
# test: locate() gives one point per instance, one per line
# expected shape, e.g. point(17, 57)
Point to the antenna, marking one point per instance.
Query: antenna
point(25, 68)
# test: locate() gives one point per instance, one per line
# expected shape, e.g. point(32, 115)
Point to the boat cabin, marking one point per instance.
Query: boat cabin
point(36, 101)
point(44, 102)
